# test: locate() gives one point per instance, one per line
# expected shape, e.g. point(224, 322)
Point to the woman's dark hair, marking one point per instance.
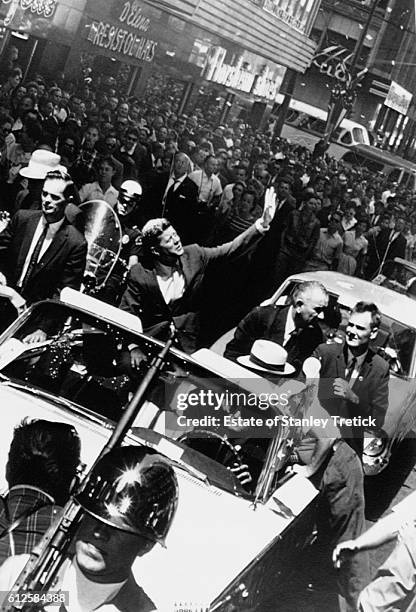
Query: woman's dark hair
point(44, 454)
point(242, 184)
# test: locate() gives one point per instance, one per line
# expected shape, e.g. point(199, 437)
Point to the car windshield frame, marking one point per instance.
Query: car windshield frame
point(68, 324)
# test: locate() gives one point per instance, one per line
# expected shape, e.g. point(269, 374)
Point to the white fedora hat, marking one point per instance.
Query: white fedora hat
point(267, 356)
point(41, 163)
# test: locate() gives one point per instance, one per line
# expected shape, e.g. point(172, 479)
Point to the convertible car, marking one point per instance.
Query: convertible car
point(243, 519)
point(395, 342)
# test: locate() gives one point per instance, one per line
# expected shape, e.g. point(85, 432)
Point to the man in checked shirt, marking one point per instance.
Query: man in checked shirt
point(42, 466)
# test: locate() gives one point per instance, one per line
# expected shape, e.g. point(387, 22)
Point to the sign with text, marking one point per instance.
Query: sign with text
point(127, 36)
point(398, 98)
point(293, 12)
point(41, 8)
point(265, 82)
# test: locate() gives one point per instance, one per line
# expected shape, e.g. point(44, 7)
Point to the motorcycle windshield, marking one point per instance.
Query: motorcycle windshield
point(102, 231)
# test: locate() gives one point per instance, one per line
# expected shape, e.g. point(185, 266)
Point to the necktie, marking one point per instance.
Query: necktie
point(291, 340)
point(168, 192)
point(350, 369)
point(35, 256)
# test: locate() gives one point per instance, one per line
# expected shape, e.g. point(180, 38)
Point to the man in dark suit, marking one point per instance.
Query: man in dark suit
point(40, 251)
point(294, 327)
point(354, 380)
point(397, 243)
point(167, 285)
point(389, 243)
point(132, 155)
point(180, 200)
point(266, 255)
point(378, 239)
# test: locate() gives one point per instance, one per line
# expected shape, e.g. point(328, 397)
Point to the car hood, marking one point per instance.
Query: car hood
point(215, 534)
point(214, 537)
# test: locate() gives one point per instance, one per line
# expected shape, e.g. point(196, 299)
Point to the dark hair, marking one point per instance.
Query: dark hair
point(350, 205)
point(250, 192)
point(132, 130)
point(364, 220)
point(5, 118)
point(44, 454)
point(372, 309)
point(32, 84)
point(151, 232)
point(15, 72)
point(108, 159)
point(243, 185)
point(336, 212)
point(284, 179)
point(70, 189)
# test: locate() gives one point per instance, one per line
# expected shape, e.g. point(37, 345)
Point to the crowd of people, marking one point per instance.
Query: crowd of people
point(208, 180)
point(206, 211)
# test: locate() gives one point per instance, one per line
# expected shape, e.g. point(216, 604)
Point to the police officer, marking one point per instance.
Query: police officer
point(130, 502)
point(127, 210)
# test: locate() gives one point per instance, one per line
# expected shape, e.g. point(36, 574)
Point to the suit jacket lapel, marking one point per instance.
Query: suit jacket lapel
point(365, 368)
point(341, 362)
point(187, 268)
point(56, 245)
point(27, 238)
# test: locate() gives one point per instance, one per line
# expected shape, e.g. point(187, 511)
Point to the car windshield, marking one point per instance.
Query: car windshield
point(87, 361)
point(398, 275)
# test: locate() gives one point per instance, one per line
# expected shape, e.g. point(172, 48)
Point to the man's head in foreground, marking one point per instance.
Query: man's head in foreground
point(130, 501)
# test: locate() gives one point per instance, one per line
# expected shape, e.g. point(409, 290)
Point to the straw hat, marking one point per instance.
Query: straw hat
point(267, 356)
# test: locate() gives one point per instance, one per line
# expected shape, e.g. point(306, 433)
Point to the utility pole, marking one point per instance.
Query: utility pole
point(344, 94)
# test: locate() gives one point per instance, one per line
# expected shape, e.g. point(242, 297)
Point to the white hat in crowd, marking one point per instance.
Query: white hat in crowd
point(42, 162)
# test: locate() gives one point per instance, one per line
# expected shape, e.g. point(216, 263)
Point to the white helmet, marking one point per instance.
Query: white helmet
point(131, 188)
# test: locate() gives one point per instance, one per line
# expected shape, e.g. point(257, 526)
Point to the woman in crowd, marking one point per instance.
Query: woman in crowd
point(355, 248)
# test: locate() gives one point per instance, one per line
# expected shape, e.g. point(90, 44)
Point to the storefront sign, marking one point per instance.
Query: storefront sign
point(332, 61)
point(132, 16)
point(398, 98)
point(42, 8)
point(238, 77)
point(293, 12)
point(118, 39)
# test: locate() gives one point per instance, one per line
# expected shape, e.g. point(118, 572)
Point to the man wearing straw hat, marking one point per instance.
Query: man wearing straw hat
point(41, 162)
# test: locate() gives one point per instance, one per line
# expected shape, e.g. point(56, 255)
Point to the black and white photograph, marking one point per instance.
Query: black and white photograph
point(207, 305)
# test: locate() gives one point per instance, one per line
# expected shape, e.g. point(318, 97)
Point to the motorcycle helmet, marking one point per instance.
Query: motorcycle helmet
point(129, 196)
point(134, 489)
